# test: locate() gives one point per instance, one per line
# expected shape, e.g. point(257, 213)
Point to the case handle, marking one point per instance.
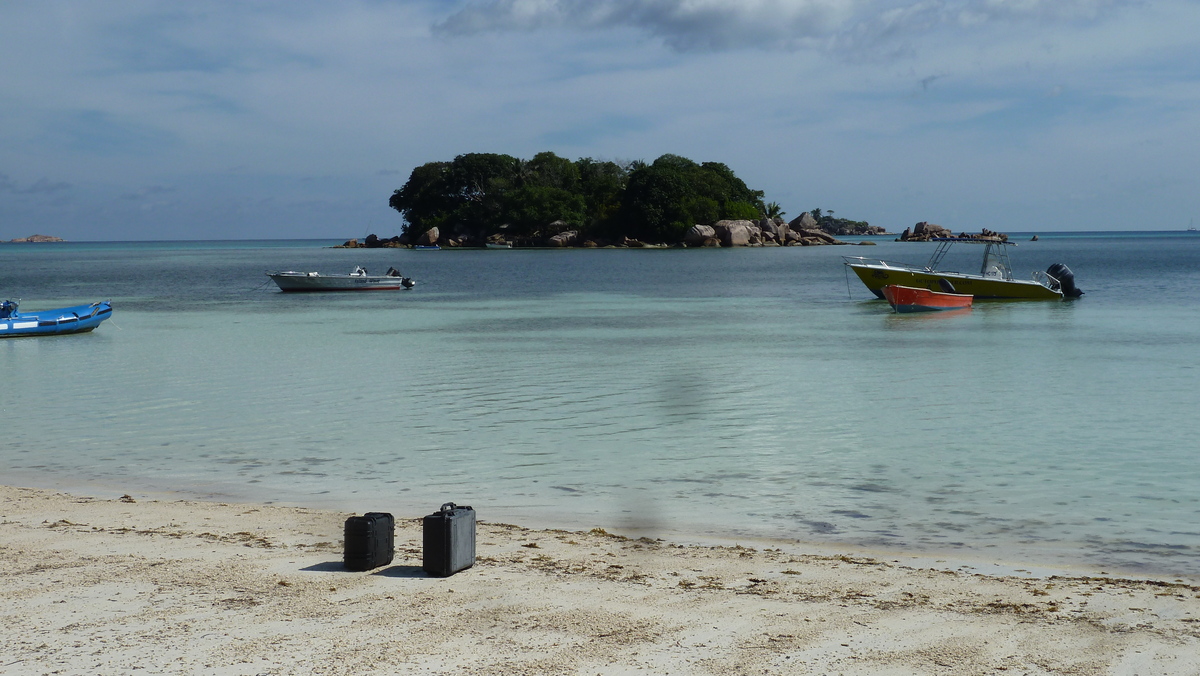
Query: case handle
point(448, 507)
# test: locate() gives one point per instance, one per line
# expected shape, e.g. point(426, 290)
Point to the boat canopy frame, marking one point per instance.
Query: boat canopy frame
point(995, 256)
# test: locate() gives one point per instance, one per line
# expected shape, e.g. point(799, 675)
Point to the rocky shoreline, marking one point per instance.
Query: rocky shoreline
point(801, 231)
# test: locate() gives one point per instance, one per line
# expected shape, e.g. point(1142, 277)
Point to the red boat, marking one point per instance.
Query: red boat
point(912, 299)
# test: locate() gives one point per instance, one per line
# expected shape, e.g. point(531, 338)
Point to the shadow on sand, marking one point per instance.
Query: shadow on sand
point(390, 571)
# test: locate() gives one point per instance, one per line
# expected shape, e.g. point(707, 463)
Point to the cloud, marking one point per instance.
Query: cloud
point(236, 106)
point(718, 25)
point(42, 186)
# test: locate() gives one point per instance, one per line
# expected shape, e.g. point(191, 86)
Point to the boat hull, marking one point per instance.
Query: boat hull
point(910, 299)
point(875, 277)
point(291, 282)
point(61, 321)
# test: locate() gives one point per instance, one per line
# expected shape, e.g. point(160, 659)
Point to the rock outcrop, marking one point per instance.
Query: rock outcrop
point(36, 239)
point(923, 232)
point(774, 231)
point(736, 233)
point(841, 227)
point(566, 238)
point(804, 221)
point(429, 237)
point(698, 234)
point(835, 227)
point(371, 242)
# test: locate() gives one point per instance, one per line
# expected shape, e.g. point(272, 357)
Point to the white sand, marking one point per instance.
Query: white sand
point(117, 587)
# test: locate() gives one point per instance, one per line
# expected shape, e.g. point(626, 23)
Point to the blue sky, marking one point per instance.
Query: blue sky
point(168, 120)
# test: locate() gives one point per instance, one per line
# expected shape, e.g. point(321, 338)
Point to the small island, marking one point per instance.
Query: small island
point(36, 238)
point(479, 199)
point(925, 232)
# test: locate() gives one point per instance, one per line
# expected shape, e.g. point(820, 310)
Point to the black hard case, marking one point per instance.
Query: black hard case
point(448, 540)
point(370, 541)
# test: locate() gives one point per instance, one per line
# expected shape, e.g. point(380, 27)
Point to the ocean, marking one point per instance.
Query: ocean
point(738, 394)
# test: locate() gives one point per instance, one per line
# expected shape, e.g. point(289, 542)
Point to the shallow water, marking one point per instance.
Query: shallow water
point(734, 393)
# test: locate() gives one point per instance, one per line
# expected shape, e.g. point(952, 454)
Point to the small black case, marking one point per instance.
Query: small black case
point(370, 541)
point(449, 540)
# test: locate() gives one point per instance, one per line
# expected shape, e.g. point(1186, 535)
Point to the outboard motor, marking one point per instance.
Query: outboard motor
point(945, 285)
point(1062, 279)
point(407, 283)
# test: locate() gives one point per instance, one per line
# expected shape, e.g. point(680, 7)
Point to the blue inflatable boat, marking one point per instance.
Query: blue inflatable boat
point(78, 319)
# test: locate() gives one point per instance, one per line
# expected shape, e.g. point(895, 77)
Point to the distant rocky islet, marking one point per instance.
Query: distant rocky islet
point(36, 239)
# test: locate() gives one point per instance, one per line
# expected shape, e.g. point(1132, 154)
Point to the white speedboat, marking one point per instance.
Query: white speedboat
point(359, 280)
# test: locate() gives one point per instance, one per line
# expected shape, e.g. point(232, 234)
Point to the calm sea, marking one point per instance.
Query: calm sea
point(748, 393)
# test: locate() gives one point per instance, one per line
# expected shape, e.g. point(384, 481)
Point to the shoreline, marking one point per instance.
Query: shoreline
point(183, 586)
point(987, 559)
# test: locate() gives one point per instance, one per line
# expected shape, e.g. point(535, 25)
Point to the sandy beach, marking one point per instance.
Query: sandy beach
point(131, 585)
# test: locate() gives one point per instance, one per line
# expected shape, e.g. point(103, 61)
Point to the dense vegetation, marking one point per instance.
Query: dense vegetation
point(480, 194)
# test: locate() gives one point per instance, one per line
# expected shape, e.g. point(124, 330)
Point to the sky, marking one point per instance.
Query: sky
point(157, 120)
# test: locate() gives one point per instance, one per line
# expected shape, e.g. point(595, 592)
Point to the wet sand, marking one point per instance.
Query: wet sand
point(131, 585)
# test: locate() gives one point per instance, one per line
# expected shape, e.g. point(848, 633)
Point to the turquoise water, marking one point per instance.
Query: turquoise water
point(755, 393)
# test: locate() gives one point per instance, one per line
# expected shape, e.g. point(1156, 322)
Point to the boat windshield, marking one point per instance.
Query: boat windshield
point(995, 264)
point(995, 258)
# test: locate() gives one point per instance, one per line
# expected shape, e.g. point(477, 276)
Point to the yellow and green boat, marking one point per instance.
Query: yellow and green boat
point(994, 279)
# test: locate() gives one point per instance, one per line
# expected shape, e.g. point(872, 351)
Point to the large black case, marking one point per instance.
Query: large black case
point(370, 541)
point(449, 540)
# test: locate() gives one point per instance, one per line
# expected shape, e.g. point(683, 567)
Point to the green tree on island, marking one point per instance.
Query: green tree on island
point(481, 194)
point(674, 193)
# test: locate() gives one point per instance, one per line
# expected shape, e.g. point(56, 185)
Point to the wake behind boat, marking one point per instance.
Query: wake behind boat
point(359, 280)
point(77, 319)
point(994, 279)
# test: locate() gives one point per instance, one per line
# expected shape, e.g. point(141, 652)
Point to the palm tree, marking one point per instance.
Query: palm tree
point(774, 210)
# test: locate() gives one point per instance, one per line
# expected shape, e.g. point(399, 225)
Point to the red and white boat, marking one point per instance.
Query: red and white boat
point(912, 299)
